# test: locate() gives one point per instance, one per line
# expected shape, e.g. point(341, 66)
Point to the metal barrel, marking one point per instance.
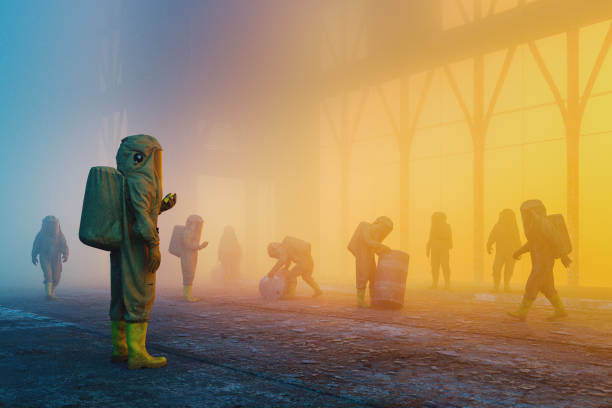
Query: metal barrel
point(390, 280)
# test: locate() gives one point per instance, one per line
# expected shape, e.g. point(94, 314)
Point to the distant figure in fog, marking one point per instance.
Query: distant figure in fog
point(189, 253)
point(438, 248)
point(547, 239)
point(365, 243)
point(293, 251)
point(505, 237)
point(51, 248)
point(229, 254)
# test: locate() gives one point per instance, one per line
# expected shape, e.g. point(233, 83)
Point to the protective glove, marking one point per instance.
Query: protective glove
point(64, 258)
point(154, 258)
point(489, 250)
point(517, 255)
point(382, 249)
point(566, 260)
point(204, 245)
point(168, 202)
point(35, 260)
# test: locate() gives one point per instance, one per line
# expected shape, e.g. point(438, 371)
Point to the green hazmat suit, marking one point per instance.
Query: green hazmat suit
point(133, 266)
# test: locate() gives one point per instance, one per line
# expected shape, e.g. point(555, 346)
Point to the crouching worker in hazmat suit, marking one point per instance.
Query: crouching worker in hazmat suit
point(438, 248)
point(545, 242)
point(365, 243)
point(51, 248)
point(293, 251)
point(133, 266)
point(189, 254)
point(505, 237)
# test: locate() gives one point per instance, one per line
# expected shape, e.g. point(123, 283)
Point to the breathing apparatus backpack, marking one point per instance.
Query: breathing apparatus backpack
point(103, 208)
point(562, 240)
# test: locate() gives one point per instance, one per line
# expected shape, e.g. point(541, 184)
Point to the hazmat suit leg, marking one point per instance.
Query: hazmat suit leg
point(365, 268)
point(47, 267)
point(508, 272)
point(132, 284)
point(498, 263)
point(57, 274)
point(117, 308)
point(435, 270)
point(445, 269)
point(188, 268)
point(306, 271)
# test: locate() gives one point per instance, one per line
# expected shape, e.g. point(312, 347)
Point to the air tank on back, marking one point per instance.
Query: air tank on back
point(390, 280)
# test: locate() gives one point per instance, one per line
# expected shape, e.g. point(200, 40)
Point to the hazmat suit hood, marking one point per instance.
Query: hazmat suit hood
point(507, 223)
point(139, 160)
point(140, 154)
point(530, 210)
point(274, 249)
point(50, 226)
point(229, 241)
point(193, 227)
point(385, 227)
point(438, 222)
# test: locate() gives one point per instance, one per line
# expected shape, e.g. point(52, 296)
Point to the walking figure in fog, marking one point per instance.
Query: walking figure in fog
point(505, 237)
point(438, 248)
point(51, 248)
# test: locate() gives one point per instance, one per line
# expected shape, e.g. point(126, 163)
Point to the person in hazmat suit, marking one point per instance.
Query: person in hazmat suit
point(293, 251)
point(365, 243)
point(542, 243)
point(505, 237)
point(438, 248)
point(133, 266)
point(189, 254)
point(51, 248)
point(229, 254)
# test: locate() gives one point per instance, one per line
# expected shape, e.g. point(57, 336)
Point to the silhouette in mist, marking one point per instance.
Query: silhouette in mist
point(51, 249)
point(505, 237)
point(188, 238)
point(438, 248)
point(229, 254)
point(293, 251)
point(365, 243)
point(547, 239)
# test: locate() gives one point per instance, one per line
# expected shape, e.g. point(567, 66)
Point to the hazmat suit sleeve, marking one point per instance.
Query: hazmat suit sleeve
point(36, 247)
point(492, 239)
point(64, 247)
point(142, 204)
point(366, 235)
point(522, 250)
point(283, 261)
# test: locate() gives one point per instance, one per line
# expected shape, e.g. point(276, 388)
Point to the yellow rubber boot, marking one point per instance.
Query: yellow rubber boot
point(361, 298)
point(521, 312)
point(119, 340)
point(317, 290)
point(138, 357)
point(49, 291)
point(187, 295)
point(560, 312)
